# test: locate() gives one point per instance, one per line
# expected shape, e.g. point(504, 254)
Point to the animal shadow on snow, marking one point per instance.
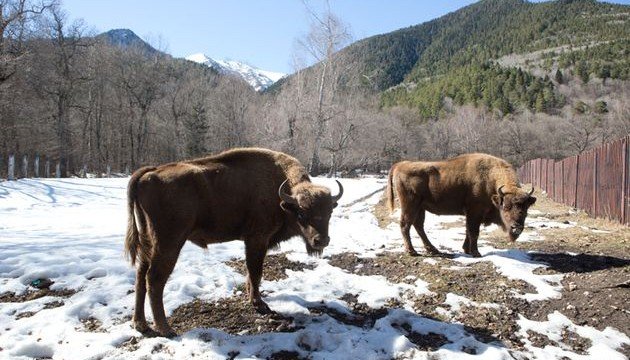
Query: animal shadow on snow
point(580, 263)
point(360, 317)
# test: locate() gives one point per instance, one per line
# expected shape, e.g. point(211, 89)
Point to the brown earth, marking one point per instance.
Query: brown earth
point(234, 315)
point(274, 268)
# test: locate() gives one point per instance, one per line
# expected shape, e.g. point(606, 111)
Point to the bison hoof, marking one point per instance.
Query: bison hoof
point(142, 327)
point(262, 308)
point(433, 251)
point(167, 332)
point(474, 253)
point(412, 252)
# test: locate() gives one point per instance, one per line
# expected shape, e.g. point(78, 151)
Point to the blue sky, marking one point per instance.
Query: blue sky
point(260, 33)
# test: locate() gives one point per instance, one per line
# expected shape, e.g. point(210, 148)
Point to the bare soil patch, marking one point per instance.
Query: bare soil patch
point(274, 267)
point(10, 297)
point(425, 342)
point(234, 315)
point(361, 315)
point(92, 324)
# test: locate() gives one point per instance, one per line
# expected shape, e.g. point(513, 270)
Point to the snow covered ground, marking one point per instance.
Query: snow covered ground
point(71, 231)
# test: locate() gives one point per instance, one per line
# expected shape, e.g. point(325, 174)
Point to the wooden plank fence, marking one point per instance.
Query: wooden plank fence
point(23, 166)
point(595, 181)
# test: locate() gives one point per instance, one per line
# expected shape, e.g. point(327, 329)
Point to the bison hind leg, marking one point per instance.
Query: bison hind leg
point(161, 266)
point(405, 226)
point(418, 224)
point(139, 320)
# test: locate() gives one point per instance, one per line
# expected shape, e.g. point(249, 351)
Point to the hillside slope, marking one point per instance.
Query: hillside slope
point(483, 31)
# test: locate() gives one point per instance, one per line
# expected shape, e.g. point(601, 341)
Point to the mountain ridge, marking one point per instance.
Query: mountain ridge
point(259, 79)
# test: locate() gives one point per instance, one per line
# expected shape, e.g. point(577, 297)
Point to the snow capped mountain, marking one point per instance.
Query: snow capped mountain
point(257, 78)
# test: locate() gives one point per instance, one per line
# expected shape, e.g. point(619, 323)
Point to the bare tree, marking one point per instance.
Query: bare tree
point(59, 76)
point(18, 21)
point(327, 35)
point(15, 18)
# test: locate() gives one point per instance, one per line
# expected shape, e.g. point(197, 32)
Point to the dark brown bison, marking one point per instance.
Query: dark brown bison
point(259, 196)
point(482, 187)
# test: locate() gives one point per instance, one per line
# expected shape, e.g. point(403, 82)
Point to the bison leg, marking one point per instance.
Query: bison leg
point(472, 234)
point(162, 264)
point(255, 252)
point(139, 320)
point(419, 226)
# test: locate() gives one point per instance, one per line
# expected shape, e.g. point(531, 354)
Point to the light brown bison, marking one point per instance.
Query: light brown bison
point(260, 196)
point(482, 187)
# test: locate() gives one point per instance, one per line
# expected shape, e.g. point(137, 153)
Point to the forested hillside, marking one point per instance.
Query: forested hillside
point(509, 77)
point(459, 49)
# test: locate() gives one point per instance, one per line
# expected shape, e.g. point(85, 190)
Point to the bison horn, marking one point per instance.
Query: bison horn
point(531, 191)
point(501, 194)
point(338, 196)
point(284, 196)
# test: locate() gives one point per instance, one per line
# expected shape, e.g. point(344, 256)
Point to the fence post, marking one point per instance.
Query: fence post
point(562, 182)
point(109, 171)
point(595, 160)
point(624, 179)
point(11, 168)
point(577, 179)
point(36, 166)
point(25, 166)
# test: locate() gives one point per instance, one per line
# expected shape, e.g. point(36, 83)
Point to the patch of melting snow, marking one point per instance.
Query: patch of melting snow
point(455, 302)
point(603, 343)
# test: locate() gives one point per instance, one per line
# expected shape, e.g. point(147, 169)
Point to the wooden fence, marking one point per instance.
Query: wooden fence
point(596, 181)
point(24, 166)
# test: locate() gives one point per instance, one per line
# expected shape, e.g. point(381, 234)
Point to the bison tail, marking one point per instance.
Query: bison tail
point(390, 188)
point(133, 242)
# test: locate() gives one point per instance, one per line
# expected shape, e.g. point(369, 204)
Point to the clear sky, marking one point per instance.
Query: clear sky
point(259, 32)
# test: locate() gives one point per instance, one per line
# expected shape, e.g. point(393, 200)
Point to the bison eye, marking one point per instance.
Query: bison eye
point(301, 217)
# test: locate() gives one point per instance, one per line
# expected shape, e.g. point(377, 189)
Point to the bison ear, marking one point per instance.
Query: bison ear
point(497, 201)
point(289, 207)
point(335, 204)
point(531, 201)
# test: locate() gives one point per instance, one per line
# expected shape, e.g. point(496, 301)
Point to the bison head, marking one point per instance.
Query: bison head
point(513, 210)
point(311, 205)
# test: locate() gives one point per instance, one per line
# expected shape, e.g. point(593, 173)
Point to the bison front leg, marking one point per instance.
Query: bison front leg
point(254, 257)
point(472, 234)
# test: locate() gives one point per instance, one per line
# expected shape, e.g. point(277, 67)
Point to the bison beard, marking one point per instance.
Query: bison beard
point(482, 187)
point(260, 196)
